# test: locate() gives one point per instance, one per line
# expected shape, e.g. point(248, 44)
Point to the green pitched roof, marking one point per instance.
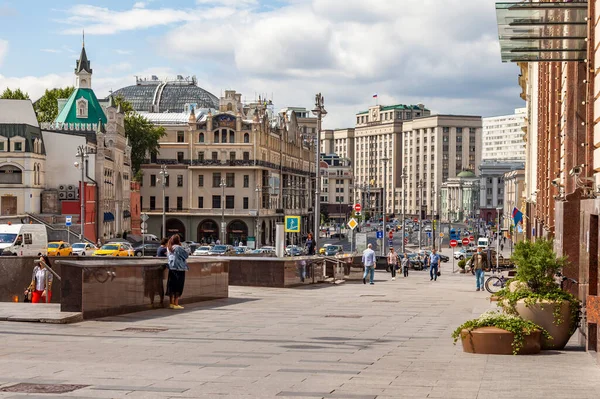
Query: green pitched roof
point(68, 114)
point(466, 173)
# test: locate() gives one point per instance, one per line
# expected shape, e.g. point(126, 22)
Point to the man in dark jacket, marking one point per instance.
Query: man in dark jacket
point(479, 263)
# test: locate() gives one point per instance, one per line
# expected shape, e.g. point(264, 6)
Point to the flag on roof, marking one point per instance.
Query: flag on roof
point(517, 216)
point(375, 95)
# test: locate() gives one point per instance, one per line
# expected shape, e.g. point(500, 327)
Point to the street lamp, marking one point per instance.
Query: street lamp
point(257, 228)
point(383, 203)
point(320, 112)
point(433, 221)
point(223, 185)
point(420, 185)
point(164, 174)
point(82, 154)
point(498, 238)
point(404, 176)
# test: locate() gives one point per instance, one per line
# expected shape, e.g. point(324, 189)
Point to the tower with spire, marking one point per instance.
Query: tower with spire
point(83, 69)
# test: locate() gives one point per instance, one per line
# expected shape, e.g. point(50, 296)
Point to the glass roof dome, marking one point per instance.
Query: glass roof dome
point(155, 95)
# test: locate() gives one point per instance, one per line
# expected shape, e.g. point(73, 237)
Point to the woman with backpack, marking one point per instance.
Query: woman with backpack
point(177, 268)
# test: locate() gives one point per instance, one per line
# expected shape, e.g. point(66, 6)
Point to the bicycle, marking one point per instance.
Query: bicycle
point(494, 284)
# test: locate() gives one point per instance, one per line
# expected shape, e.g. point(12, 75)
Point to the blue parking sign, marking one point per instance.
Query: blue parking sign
point(380, 234)
point(391, 242)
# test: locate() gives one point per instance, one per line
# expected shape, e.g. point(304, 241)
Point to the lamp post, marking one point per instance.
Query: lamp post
point(498, 238)
point(433, 219)
point(404, 176)
point(223, 185)
point(420, 185)
point(164, 173)
point(383, 203)
point(320, 112)
point(82, 154)
point(257, 227)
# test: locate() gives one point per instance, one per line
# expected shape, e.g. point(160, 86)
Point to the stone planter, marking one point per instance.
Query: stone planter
point(542, 314)
point(496, 341)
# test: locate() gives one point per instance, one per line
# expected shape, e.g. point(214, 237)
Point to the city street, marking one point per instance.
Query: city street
point(390, 340)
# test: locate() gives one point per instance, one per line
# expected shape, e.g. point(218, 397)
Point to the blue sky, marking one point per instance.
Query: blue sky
point(441, 53)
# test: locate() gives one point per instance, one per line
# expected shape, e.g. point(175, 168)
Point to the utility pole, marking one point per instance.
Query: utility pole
point(420, 209)
point(82, 154)
point(498, 239)
point(433, 221)
point(320, 112)
point(383, 203)
point(403, 208)
point(164, 174)
point(223, 226)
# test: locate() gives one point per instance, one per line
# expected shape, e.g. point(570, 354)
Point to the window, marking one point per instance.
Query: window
point(216, 179)
point(215, 156)
point(247, 138)
point(19, 147)
point(179, 157)
point(459, 130)
point(245, 203)
point(216, 201)
point(246, 156)
point(232, 156)
point(201, 138)
point(179, 180)
point(179, 203)
point(153, 180)
point(472, 130)
point(229, 201)
point(167, 203)
point(224, 136)
point(152, 203)
point(230, 179)
point(180, 137)
point(445, 130)
point(2, 146)
point(167, 180)
point(201, 156)
point(200, 202)
point(246, 181)
point(216, 138)
point(200, 180)
point(231, 136)
point(27, 238)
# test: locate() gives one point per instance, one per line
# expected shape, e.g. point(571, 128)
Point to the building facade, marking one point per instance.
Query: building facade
point(378, 136)
point(503, 137)
point(435, 149)
point(22, 159)
point(492, 190)
point(337, 190)
point(338, 141)
point(459, 197)
point(233, 173)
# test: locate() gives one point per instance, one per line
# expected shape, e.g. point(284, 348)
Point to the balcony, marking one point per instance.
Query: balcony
point(228, 212)
point(229, 163)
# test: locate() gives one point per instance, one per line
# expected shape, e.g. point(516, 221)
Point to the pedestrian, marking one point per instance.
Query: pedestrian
point(177, 268)
point(310, 244)
point(392, 261)
point(368, 260)
point(502, 247)
point(434, 265)
point(161, 252)
point(479, 262)
point(425, 261)
point(218, 242)
point(41, 281)
point(405, 264)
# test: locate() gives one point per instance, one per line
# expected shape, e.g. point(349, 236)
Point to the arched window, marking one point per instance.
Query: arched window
point(231, 136)
point(223, 135)
point(11, 175)
point(201, 138)
point(246, 138)
point(216, 138)
point(229, 107)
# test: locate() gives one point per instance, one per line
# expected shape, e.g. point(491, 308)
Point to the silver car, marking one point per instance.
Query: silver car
point(83, 249)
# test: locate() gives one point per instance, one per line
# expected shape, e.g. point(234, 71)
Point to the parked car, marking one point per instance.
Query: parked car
point(83, 248)
point(464, 253)
point(59, 248)
point(115, 249)
point(263, 251)
point(239, 250)
point(333, 250)
point(147, 249)
point(322, 250)
point(341, 236)
point(293, 250)
point(203, 250)
point(221, 250)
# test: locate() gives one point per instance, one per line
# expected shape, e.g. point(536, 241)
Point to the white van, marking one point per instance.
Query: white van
point(482, 242)
point(23, 239)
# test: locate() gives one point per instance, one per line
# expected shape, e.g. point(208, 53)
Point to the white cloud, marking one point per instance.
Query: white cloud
point(228, 3)
point(3, 49)
point(139, 4)
point(36, 85)
point(123, 52)
point(51, 50)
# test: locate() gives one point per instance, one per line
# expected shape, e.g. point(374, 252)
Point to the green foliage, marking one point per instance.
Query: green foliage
point(462, 263)
point(17, 94)
point(46, 108)
point(143, 138)
point(537, 264)
point(514, 324)
point(126, 106)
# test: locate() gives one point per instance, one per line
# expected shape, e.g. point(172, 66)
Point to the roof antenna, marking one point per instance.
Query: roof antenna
point(83, 42)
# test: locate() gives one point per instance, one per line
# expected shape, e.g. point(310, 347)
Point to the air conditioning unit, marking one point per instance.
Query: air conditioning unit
point(70, 194)
point(62, 195)
point(71, 187)
point(77, 193)
point(62, 187)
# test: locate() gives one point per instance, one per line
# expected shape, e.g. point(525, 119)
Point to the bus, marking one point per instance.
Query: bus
point(455, 235)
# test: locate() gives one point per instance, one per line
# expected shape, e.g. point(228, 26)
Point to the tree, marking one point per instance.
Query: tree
point(46, 107)
point(126, 106)
point(143, 138)
point(14, 94)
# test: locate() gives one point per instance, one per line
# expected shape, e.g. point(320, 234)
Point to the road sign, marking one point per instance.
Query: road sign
point(406, 241)
point(144, 217)
point(357, 207)
point(380, 234)
point(465, 241)
point(390, 242)
point(453, 243)
point(292, 224)
point(441, 235)
point(471, 238)
point(144, 225)
point(68, 221)
point(390, 235)
point(415, 220)
point(352, 223)
point(429, 234)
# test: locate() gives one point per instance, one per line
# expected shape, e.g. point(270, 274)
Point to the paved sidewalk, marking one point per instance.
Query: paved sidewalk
point(390, 340)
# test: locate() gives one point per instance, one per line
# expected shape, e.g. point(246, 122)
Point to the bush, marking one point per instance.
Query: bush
point(462, 263)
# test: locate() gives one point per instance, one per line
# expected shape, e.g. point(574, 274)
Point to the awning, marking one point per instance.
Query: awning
point(126, 214)
point(109, 217)
point(551, 31)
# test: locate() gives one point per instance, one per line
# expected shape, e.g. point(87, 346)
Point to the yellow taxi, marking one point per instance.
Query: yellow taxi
point(59, 248)
point(114, 249)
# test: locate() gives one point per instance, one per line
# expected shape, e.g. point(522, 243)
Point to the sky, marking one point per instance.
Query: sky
point(441, 53)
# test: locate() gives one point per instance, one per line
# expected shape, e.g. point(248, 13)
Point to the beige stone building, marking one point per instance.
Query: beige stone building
point(436, 148)
point(378, 135)
point(337, 187)
point(338, 141)
point(233, 172)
